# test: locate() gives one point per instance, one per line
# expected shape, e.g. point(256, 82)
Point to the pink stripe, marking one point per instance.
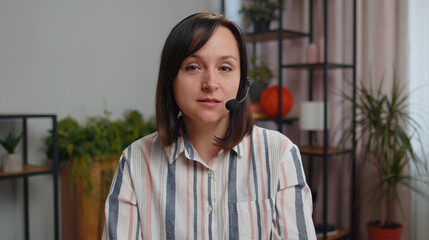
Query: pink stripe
point(131, 221)
point(161, 207)
point(252, 227)
point(225, 206)
point(148, 191)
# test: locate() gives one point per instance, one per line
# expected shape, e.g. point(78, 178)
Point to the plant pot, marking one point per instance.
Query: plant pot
point(375, 233)
point(255, 91)
point(12, 163)
point(82, 212)
point(261, 26)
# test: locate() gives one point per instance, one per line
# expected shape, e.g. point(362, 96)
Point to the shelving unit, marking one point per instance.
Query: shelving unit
point(30, 170)
point(325, 151)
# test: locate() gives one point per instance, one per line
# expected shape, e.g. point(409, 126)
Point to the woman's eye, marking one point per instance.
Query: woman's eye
point(191, 68)
point(226, 68)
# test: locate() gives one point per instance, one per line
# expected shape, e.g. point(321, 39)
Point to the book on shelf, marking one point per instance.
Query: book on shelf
point(257, 111)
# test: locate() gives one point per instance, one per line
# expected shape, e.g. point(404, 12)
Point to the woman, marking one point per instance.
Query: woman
point(208, 173)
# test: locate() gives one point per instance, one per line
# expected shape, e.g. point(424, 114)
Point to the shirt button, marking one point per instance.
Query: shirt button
point(209, 172)
point(209, 209)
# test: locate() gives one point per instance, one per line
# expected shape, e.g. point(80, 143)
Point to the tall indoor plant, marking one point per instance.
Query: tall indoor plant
point(384, 130)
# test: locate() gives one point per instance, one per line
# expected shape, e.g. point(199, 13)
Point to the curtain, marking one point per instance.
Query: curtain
point(419, 99)
point(382, 52)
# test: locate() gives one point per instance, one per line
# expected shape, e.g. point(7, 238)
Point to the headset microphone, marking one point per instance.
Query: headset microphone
point(233, 104)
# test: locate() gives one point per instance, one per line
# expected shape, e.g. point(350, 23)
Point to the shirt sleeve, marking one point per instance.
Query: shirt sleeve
point(121, 211)
point(294, 204)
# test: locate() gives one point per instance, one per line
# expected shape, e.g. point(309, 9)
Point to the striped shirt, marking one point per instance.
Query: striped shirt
point(257, 190)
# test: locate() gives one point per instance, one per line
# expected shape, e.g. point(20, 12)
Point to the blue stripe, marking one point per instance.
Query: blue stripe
point(210, 204)
point(128, 156)
point(138, 226)
point(114, 203)
point(188, 147)
point(170, 209)
point(195, 202)
point(267, 162)
point(176, 145)
point(255, 182)
point(232, 196)
point(277, 213)
point(299, 205)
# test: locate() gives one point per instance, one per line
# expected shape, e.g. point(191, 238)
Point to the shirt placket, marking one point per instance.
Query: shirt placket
point(211, 203)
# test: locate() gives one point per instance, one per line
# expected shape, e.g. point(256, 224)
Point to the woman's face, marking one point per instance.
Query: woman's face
point(208, 79)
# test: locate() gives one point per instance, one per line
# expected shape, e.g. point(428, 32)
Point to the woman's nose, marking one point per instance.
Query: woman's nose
point(210, 82)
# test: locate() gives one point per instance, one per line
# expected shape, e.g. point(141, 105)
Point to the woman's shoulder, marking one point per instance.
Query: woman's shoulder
point(152, 137)
point(144, 143)
point(270, 133)
point(273, 138)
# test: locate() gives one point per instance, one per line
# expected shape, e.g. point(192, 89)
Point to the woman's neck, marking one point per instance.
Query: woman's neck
point(202, 137)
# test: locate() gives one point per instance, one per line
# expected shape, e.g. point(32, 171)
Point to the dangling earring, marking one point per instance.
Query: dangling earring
point(179, 114)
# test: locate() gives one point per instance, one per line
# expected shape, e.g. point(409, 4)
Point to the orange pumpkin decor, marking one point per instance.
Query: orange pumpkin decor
point(269, 101)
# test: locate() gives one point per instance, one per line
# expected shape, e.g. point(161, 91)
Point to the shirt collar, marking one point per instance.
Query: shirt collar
point(174, 150)
point(182, 145)
point(239, 148)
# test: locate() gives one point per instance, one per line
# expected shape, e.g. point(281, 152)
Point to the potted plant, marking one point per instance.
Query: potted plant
point(260, 13)
point(11, 162)
point(88, 155)
point(384, 130)
point(261, 75)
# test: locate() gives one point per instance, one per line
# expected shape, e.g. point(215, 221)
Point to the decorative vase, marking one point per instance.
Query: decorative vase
point(12, 162)
point(312, 53)
point(321, 50)
point(269, 101)
point(375, 233)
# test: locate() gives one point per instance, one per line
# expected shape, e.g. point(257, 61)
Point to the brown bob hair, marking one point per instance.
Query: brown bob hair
point(186, 38)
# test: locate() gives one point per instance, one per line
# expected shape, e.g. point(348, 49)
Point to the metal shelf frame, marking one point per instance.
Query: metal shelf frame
point(29, 170)
point(324, 152)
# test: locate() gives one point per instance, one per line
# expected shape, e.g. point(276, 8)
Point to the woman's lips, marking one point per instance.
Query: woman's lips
point(209, 102)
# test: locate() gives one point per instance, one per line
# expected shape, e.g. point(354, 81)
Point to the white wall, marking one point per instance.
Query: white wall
point(76, 58)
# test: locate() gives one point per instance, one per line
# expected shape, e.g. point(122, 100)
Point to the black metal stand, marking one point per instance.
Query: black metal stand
point(29, 170)
point(326, 152)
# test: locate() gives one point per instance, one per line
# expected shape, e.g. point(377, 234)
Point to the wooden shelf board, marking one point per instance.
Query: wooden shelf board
point(26, 170)
point(25, 115)
point(316, 66)
point(259, 115)
point(306, 150)
point(341, 233)
point(274, 35)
